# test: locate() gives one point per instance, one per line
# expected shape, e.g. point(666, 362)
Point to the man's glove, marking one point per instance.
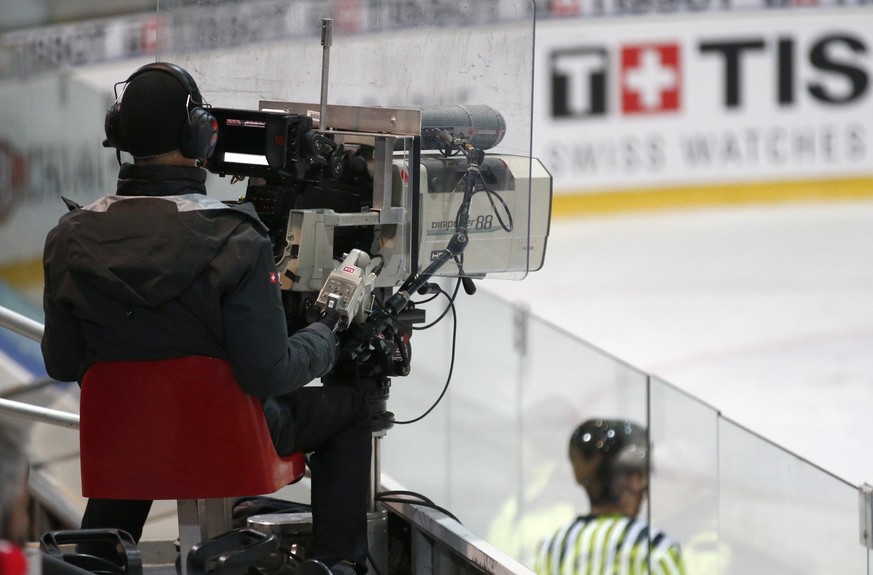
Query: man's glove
point(331, 318)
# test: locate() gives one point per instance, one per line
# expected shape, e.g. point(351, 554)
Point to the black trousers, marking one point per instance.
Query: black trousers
point(333, 424)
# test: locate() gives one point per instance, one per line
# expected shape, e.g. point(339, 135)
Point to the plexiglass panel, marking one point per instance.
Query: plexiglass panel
point(464, 455)
point(780, 514)
point(520, 388)
point(382, 53)
point(416, 454)
point(684, 478)
point(486, 430)
point(733, 502)
point(566, 381)
point(467, 65)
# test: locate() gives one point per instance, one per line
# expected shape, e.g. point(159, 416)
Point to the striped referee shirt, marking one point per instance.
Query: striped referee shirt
point(608, 545)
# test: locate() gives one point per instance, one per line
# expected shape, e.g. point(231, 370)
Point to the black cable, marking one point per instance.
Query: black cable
point(428, 300)
point(448, 377)
point(407, 493)
point(427, 503)
point(491, 194)
point(445, 311)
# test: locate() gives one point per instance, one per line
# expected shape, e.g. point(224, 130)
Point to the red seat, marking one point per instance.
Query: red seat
point(176, 429)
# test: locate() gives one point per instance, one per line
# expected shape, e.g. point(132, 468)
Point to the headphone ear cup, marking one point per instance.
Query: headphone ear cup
point(112, 127)
point(200, 135)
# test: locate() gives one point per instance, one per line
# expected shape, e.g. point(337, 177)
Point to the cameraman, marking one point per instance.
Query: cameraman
point(160, 270)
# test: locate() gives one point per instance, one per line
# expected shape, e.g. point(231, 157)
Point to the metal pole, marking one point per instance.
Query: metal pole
point(36, 413)
point(375, 470)
point(20, 324)
point(377, 517)
point(326, 42)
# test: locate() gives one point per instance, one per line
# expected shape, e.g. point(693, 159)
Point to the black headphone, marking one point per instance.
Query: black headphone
point(201, 131)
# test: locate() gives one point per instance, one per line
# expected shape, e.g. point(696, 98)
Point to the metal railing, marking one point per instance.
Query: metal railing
point(53, 509)
point(22, 325)
point(31, 329)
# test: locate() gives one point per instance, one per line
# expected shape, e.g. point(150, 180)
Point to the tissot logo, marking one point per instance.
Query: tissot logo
point(650, 80)
point(784, 70)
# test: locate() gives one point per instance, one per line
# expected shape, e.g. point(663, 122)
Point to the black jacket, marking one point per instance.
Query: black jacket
point(159, 271)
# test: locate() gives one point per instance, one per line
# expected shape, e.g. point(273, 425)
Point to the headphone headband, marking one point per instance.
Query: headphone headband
point(176, 71)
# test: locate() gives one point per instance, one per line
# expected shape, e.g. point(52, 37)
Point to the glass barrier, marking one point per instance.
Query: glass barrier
point(464, 454)
point(780, 514)
point(564, 383)
point(468, 66)
point(495, 453)
point(684, 476)
point(518, 391)
point(739, 504)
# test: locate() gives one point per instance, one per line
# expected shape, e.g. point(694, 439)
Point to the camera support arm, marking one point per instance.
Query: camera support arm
point(383, 321)
point(459, 240)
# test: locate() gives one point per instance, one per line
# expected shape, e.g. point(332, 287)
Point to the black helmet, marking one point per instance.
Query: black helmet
point(621, 443)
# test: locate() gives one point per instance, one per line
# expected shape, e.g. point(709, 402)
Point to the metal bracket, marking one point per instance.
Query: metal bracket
point(865, 507)
point(521, 322)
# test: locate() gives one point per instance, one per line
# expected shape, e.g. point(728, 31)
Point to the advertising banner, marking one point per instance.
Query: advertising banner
point(656, 103)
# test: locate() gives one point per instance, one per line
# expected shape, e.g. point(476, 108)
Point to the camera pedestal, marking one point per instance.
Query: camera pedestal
point(294, 530)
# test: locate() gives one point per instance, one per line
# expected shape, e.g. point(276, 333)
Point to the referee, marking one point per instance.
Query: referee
point(609, 459)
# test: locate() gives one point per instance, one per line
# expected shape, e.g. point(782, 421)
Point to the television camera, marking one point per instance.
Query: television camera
point(364, 214)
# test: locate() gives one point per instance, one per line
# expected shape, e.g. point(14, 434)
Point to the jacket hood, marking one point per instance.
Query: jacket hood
point(146, 250)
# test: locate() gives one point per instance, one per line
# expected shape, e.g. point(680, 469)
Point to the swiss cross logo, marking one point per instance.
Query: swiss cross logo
point(650, 78)
point(647, 78)
point(274, 278)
